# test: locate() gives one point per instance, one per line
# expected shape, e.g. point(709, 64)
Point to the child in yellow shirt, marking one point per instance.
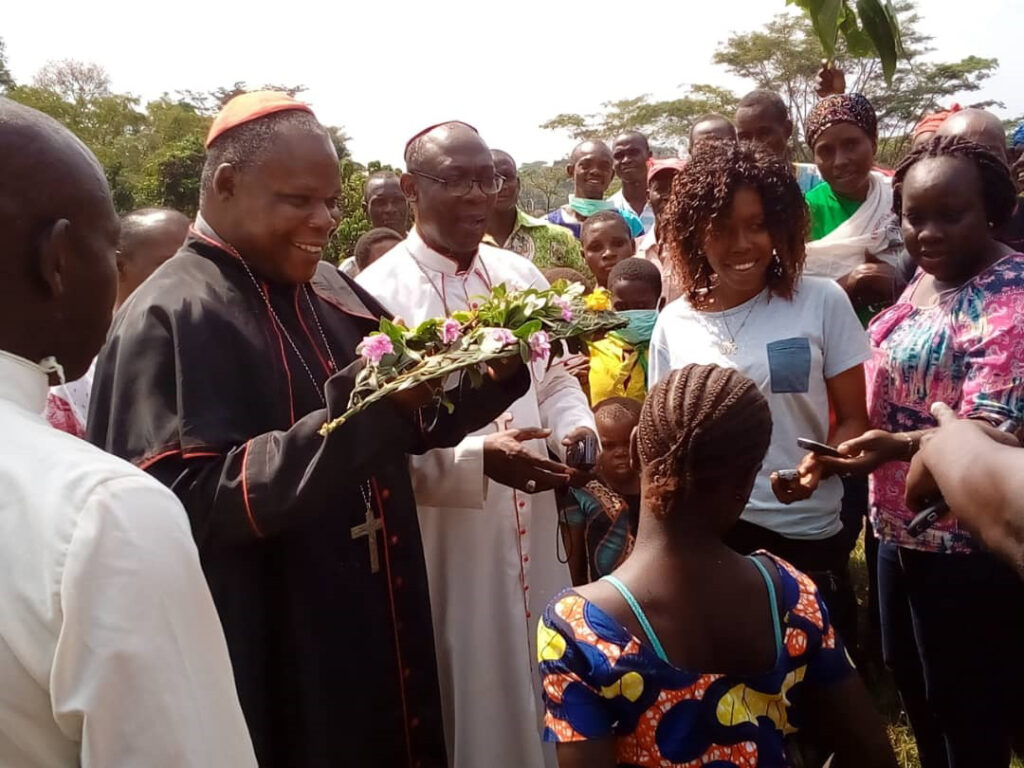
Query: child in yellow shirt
point(618, 362)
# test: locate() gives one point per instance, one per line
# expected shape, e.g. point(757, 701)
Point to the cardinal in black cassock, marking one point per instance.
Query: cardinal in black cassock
point(218, 373)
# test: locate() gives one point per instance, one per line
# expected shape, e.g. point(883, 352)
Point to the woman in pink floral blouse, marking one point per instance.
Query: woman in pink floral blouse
point(952, 616)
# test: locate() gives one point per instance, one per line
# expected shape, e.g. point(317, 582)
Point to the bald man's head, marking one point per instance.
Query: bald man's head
point(979, 126)
point(57, 272)
point(505, 166)
point(591, 168)
point(452, 186)
point(149, 237)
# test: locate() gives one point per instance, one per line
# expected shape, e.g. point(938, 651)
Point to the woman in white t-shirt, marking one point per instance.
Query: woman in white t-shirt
point(740, 216)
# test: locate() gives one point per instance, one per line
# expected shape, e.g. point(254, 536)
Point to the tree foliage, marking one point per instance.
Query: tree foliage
point(153, 155)
point(785, 56)
point(543, 187)
point(666, 123)
point(6, 79)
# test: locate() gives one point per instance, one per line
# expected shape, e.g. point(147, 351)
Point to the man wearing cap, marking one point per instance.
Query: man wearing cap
point(216, 378)
point(486, 506)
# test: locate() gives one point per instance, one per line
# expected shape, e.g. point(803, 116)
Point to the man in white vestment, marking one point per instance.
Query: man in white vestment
point(487, 510)
point(111, 653)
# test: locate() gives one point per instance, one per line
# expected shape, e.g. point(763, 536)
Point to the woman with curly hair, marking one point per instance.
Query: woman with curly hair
point(952, 615)
point(689, 653)
point(735, 227)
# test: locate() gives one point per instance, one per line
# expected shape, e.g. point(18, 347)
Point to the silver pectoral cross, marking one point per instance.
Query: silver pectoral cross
point(369, 530)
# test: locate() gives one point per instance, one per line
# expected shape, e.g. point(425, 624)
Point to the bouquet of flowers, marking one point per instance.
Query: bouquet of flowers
point(528, 323)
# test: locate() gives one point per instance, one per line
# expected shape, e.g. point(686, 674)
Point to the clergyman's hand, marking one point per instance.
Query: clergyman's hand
point(509, 462)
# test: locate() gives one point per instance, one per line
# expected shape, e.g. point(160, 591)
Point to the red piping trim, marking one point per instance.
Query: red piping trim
point(394, 621)
point(339, 306)
point(245, 493)
point(147, 463)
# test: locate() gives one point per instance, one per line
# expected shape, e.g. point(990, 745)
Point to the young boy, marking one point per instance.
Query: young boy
point(618, 361)
point(602, 517)
point(606, 241)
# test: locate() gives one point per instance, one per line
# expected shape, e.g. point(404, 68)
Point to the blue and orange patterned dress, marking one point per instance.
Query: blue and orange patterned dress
point(601, 681)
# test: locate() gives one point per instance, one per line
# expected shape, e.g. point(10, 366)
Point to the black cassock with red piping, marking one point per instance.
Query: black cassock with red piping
point(215, 382)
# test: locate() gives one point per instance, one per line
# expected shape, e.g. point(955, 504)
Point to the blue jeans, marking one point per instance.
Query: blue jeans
point(953, 636)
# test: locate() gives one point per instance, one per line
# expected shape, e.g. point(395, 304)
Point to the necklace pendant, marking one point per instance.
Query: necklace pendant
point(728, 347)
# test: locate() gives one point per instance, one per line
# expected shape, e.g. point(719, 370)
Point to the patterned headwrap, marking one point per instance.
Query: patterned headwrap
point(850, 108)
point(1017, 139)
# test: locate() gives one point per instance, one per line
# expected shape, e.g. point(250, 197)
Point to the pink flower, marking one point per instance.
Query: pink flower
point(496, 339)
point(565, 305)
point(375, 346)
point(451, 330)
point(540, 346)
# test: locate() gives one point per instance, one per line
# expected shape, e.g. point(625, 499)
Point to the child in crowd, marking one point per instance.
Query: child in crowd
point(618, 361)
point(606, 241)
point(690, 653)
point(602, 516)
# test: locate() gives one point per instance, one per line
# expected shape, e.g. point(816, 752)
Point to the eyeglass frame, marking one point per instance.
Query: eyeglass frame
point(498, 178)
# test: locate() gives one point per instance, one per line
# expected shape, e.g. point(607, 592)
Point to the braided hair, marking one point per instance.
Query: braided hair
point(998, 189)
point(703, 192)
point(703, 425)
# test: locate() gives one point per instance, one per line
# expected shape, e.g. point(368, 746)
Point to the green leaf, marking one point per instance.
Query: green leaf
point(524, 351)
point(825, 17)
point(476, 378)
point(393, 332)
point(526, 330)
point(879, 23)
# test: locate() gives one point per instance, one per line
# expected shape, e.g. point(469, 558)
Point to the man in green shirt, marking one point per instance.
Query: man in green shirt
point(546, 245)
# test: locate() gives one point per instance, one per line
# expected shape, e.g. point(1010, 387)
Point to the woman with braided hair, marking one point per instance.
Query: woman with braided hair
point(952, 615)
point(689, 653)
point(738, 213)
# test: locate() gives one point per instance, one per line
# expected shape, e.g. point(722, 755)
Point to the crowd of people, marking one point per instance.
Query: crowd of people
point(194, 575)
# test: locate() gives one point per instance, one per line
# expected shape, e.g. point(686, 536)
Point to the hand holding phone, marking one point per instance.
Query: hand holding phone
point(582, 454)
point(818, 449)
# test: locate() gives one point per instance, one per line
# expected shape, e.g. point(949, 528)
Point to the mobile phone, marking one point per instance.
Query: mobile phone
point(818, 449)
point(583, 453)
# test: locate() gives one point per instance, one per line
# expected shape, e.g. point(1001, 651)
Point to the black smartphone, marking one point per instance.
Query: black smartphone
point(582, 454)
point(819, 449)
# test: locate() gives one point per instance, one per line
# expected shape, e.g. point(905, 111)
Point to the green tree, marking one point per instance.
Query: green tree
point(6, 79)
point(666, 123)
point(786, 55)
point(110, 124)
point(543, 187)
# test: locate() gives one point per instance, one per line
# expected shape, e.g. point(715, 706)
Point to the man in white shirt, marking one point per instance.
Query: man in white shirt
point(632, 155)
point(111, 653)
point(487, 513)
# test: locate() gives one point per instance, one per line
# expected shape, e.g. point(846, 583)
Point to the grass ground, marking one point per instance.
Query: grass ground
point(880, 683)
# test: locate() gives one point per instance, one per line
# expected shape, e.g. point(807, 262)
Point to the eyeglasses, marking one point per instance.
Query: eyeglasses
point(462, 187)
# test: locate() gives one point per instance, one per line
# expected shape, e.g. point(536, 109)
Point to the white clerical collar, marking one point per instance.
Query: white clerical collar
point(23, 382)
point(203, 228)
point(431, 259)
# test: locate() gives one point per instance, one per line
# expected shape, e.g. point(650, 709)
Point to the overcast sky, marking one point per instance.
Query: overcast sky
point(383, 69)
